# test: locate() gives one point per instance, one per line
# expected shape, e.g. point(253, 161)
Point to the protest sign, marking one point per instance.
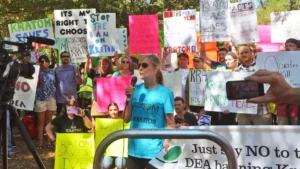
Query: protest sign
point(102, 34)
point(143, 31)
point(33, 56)
point(38, 28)
point(78, 49)
point(286, 63)
point(254, 148)
point(197, 82)
point(71, 22)
point(216, 97)
point(112, 90)
point(74, 151)
point(179, 31)
point(198, 22)
point(122, 39)
point(284, 25)
point(105, 127)
point(171, 80)
point(25, 90)
point(265, 39)
point(215, 20)
point(244, 22)
point(269, 47)
point(6, 46)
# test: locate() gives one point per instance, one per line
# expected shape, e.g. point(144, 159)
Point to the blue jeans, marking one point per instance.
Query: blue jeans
point(108, 162)
point(9, 145)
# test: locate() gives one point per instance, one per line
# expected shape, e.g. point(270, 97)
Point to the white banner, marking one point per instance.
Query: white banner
point(71, 22)
point(215, 20)
point(256, 147)
point(179, 31)
point(122, 39)
point(102, 34)
point(286, 63)
point(78, 49)
point(172, 81)
point(216, 97)
point(244, 23)
point(285, 25)
point(25, 90)
point(197, 82)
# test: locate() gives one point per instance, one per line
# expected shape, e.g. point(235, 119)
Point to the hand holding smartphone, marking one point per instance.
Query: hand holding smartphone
point(240, 90)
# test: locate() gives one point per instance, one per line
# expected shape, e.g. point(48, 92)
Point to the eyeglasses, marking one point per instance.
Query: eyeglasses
point(65, 56)
point(144, 65)
point(44, 61)
point(125, 62)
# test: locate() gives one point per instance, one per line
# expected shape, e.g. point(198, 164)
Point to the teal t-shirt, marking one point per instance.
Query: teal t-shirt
point(149, 108)
point(117, 73)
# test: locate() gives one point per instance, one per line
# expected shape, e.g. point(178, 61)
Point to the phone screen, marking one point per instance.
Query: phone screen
point(243, 90)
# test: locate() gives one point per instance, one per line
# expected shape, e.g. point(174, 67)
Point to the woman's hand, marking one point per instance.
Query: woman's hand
point(129, 91)
point(167, 143)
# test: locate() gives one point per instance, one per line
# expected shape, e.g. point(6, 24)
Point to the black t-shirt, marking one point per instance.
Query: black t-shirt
point(64, 124)
point(189, 118)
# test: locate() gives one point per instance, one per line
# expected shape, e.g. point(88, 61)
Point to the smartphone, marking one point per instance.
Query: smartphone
point(239, 90)
point(72, 110)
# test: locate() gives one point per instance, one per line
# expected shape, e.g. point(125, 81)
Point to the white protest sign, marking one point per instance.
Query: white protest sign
point(215, 20)
point(256, 147)
point(71, 22)
point(136, 73)
point(25, 90)
point(180, 31)
point(286, 63)
point(102, 34)
point(122, 39)
point(284, 25)
point(197, 82)
point(244, 22)
point(78, 49)
point(216, 97)
point(198, 22)
point(171, 81)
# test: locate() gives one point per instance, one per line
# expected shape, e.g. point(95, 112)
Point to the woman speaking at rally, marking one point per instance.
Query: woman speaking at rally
point(151, 107)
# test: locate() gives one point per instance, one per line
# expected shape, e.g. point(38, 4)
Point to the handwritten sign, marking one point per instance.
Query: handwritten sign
point(25, 90)
point(143, 30)
point(103, 128)
point(179, 31)
point(78, 49)
point(215, 20)
point(216, 97)
point(112, 90)
point(74, 151)
point(198, 22)
point(101, 34)
point(71, 23)
point(197, 82)
point(244, 22)
point(122, 39)
point(284, 25)
point(38, 28)
point(171, 80)
point(286, 63)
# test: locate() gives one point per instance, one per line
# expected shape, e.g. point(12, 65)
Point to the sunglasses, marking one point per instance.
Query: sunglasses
point(44, 61)
point(125, 62)
point(144, 65)
point(197, 61)
point(65, 56)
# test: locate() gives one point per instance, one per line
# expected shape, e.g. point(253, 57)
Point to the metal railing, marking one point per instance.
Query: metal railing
point(166, 133)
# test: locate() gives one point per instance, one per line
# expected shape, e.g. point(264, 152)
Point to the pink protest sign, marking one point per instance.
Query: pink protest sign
point(143, 37)
point(264, 33)
point(269, 47)
point(111, 90)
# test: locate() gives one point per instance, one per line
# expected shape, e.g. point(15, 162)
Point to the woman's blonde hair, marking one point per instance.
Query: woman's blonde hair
point(155, 63)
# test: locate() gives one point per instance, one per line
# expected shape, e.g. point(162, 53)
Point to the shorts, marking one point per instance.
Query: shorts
point(47, 105)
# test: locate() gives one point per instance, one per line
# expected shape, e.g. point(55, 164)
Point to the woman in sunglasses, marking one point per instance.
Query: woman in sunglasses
point(151, 107)
point(126, 65)
point(45, 104)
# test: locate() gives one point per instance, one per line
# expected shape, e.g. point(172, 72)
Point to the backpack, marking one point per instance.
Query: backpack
point(29, 124)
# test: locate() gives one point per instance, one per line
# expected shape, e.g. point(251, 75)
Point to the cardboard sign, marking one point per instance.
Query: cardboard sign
point(179, 31)
point(105, 127)
point(122, 39)
point(171, 80)
point(71, 23)
point(74, 151)
point(25, 90)
point(216, 97)
point(197, 83)
point(244, 22)
point(144, 37)
point(102, 36)
point(215, 20)
point(78, 49)
point(284, 25)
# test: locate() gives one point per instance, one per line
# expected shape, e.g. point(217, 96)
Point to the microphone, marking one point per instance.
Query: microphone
point(133, 82)
point(41, 40)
